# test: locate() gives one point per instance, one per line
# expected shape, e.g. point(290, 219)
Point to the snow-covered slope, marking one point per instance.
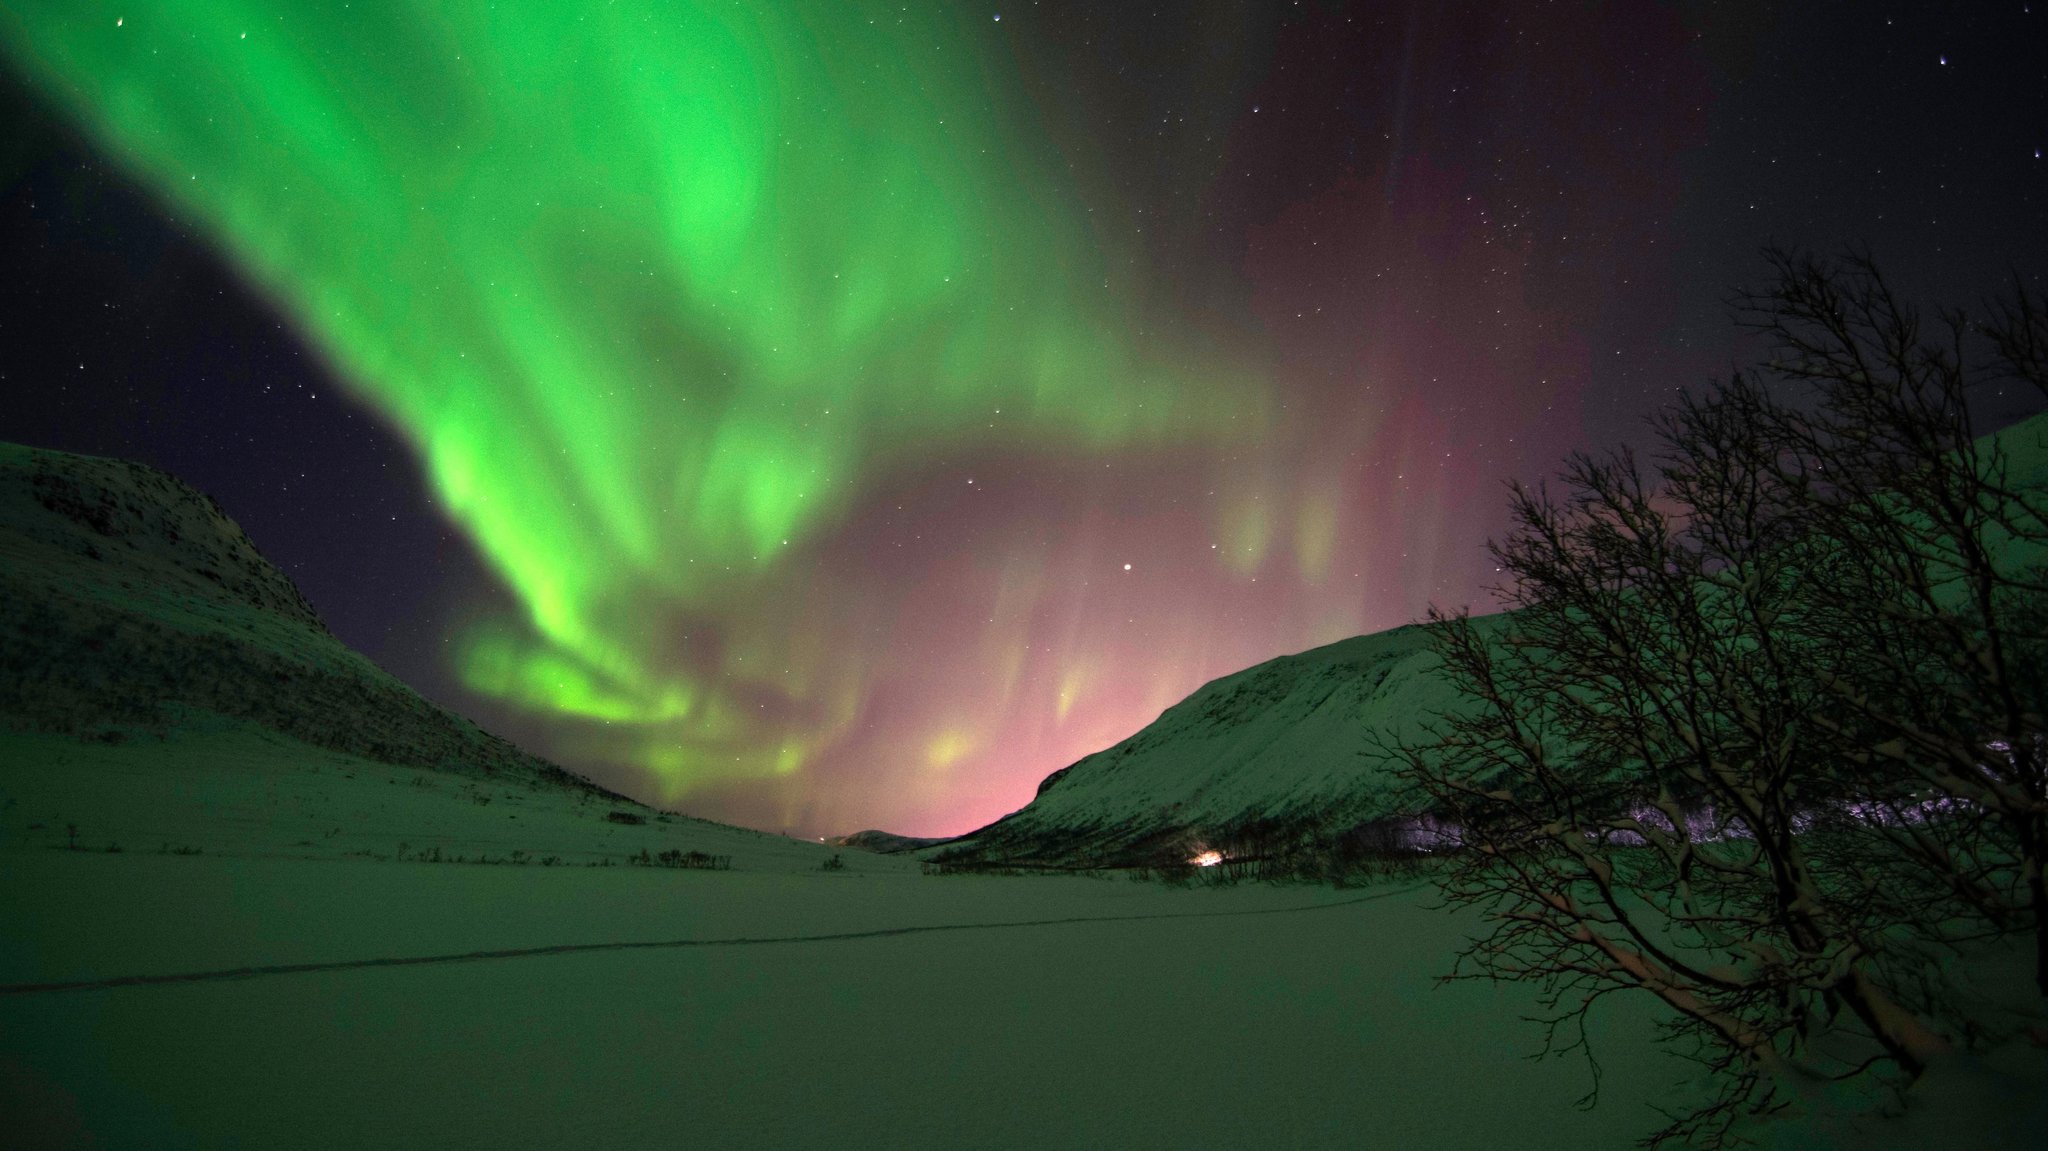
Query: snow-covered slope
point(131, 607)
point(1284, 751)
point(1280, 755)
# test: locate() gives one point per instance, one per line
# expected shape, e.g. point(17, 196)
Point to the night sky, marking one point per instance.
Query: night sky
point(830, 415)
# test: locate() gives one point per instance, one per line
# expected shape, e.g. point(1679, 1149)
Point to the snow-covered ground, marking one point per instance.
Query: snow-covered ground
point(1313, 1028)
point(947, 1012)
point(1039, 1012)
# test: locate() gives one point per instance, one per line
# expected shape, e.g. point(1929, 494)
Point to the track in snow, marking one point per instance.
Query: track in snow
point(225, 974)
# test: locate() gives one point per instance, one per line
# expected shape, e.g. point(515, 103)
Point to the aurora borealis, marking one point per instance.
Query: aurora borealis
point(862, 410)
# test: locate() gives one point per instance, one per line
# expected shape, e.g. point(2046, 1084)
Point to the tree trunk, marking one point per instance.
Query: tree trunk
point(1909, 1042)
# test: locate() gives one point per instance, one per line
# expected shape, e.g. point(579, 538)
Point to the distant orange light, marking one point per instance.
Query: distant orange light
point(1208, 859)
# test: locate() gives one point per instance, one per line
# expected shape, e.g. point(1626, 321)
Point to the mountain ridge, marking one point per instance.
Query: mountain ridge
point(1280, 755)
point(131, 603)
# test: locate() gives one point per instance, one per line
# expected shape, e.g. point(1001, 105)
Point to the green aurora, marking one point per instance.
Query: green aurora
point(654, 290)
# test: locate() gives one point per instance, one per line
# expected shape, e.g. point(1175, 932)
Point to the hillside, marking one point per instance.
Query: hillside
point(132, 607)
point(1279, 755)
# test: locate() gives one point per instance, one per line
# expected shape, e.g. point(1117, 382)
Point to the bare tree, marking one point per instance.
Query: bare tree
point(1762, 730)
point(1933, 605)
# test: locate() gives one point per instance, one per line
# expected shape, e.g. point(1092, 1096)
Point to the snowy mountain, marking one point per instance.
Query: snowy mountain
point(887, 842)
point(131, 605)
point(1281, 755)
